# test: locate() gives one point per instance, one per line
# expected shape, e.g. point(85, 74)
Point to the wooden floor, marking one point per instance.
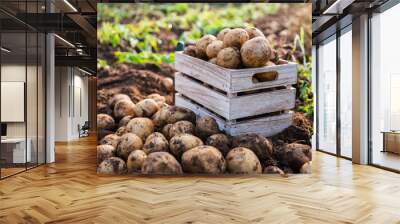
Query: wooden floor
point(69, 191)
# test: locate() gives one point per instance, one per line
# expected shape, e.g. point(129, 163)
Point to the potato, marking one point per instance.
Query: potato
point(235, 38)
point(121, 131)
point(242, 160)
point(222, 33)
point(148, 107)
point(296, 156)
point(168, 84)
point(256, 52)
point(182, 143)
point(161, 163)
point(110, 139)
point(104, 152)
point(101, 133)
point(117, 97)
point(112, 165)
point(273, 170)
point(206, 126)
point(254, 32)
point(203, 159)
point(156, 142)
point(213, 61)
point(201, 45)
point(135, 161)
point(160, 100)
point(124, 108)
point(125, 120)
point(128, 143)
point(220, 141)
point(260, 145)
point(105, 121)
point(213, 48)
point(165, 130)
point(172, 114)
point(181, 127)
point(228, 58)
point(190, 50)
point(141, 126)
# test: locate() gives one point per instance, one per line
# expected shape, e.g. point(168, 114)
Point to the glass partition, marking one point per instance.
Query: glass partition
point(346, 93)
point(385, 89)
point(22, 88)
point(327, 96)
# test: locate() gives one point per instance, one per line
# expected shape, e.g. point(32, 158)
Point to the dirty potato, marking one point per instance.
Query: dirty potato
point(160, 100)
point(235, 38)
point(110, 139)
point(203, 160)
point(128, 143)
point(125, 120)
point(156, 142)
point(222, 33)
point(172, 114)
point(135, 161)
point(117, 97)
point(201, 45)
point(124, 108)
point(220, 141)
point(254, 32)
point(121, 131)
point(181, 127)
point(213, 48)
point(229, 58)
point(260, 145)
point(112, 165)
point(241, 160)
point(206, 126)
point(141, 126)
point(161, 163)
point(182, 143)
point(105, 121)
point(104, 152)
point(256, 52)
point(148, 107)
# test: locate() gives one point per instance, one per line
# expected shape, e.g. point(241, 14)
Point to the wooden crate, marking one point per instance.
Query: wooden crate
point(235, 106)
point(234, 80)
point(267, 125)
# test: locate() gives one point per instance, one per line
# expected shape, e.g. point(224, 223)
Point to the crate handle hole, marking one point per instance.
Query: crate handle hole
point(265, 76)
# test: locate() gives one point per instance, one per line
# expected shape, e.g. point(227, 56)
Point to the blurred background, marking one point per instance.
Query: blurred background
point(136, 43)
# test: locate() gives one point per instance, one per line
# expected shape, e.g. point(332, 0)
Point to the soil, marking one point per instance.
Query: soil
point(282, 30)
point(137, 81)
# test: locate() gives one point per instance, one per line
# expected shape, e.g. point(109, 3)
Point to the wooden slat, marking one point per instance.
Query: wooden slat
point(214, 100)
point(267, 126)
point(232, 106)
point(233, 80)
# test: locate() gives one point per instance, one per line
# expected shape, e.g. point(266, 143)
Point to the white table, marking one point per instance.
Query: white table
point(18, 149)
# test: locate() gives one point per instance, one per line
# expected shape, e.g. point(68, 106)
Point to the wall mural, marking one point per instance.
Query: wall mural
point(204, 89)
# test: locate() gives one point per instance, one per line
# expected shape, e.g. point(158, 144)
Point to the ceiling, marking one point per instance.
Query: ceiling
point(74, 22)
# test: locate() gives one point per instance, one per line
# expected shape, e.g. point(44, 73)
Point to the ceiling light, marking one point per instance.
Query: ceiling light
point(70, 5)
point(65, 41)
point(5, 50)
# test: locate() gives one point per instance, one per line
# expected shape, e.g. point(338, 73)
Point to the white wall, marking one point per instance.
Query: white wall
point(71, 102)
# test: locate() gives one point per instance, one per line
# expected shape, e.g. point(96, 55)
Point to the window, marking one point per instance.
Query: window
point(327, 96)
point(346, 75)
point(385, 89)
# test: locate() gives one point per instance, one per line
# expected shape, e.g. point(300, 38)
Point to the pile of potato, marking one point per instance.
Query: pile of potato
point(151, 137)
point(235, 48)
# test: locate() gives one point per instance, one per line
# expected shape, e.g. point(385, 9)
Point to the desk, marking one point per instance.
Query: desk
point(391, 141)
point(13, 150)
